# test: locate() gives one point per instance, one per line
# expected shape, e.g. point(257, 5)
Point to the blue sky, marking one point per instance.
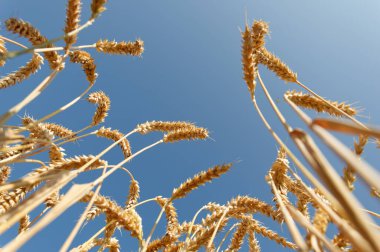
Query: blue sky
point(191, 71)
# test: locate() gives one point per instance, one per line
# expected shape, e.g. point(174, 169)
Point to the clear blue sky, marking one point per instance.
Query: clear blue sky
point(191, 70)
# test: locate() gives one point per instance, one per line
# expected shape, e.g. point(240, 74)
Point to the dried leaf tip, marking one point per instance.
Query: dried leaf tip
point(248, 61)
point(310, 102)
point(97, 7)
point(103, 102)
point(163, 126)
point(87, 62)
point(135, 48)
point(186, 134)
point(199, 179)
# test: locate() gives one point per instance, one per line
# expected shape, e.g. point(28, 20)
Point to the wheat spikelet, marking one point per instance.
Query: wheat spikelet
point(321, 220)
point(348, 173)
point(56, 154)
point(26, 30)
point(185, 134)
point(257, 228)
point(5, 171)
point(97, 7)
point(340, 241)
point(199, 179)
point(3, 52)
point(128, 219)
point(87, 63)
point(72, 20)
point(249, 61)
point(10, 199)
point(135, 48)
point(253, 243)
point(310, 102)
point(259, 30)
point(77, 162)
point(59, 130)
point(238, 237)
point(116, 135)
point(273, 63)
point(103, 102)
point(24, 224)
point(38, 131)
point(134, 194)
point(162, 126)
point(93, 213)
point(22, 73)
point(108, 233)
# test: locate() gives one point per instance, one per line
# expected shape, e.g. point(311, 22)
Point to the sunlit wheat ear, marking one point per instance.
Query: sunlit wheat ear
point(22, 73)
point(77, 162)
point(273, 63)
point(321, 220)
point(349, 176)
point(245, 204)
point(186, 134)
point(249, 62)
point(163, 126)
point(259, 30)
point(199, 179)
point(72, 20)
point(133, 195)
point(104, 104)
point(340, 241)
point(5, 171)
point(56, 154)
point(257, 228)
point(87, 63)
point(24, 224)
point(93, 213)
point(116, 135)
point(135, 48)
point(38, 130)
point(59, 130)
point(113, 245)
point(238, 237)
point(310, 102)
point(3, 52)
point(128, 219)
point(172, 227)
point(26, 30)
point(97, 7)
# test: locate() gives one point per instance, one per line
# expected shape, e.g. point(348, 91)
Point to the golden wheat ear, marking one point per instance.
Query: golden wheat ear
point(186, 134)
point(97, 7)
point(163, 126)
point(73, 11)
point(116, 135)
point(311, 102)
point(249, 62)
point(135, 48)
point(104, 104)
point(87, 62)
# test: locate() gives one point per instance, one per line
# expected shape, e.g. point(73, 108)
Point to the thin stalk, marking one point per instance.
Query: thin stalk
point(209, 245)
point(13, 42)
point(225, 236)
point(59, 48)
point(192, 224)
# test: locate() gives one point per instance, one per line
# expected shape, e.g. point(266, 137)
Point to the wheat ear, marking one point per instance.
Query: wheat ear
point(199, 179)
point(72, 21)
point(311, 102)
point(26, 30)
point(163, 126)
point(87, 63)
point(249, 61)
point(23, 72)
point(97, 7)
point(273, 63)
point(185, 134)
point(135, 48)
point(260, 29)
point(238, 237)
point(3, 52)
point(5, 171)
point(115, 135)
point(103, 102)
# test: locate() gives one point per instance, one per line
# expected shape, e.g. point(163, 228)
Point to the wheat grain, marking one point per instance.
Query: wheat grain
point(93, 212)
point(199, 179)
point(135, 48)
point(103, 102)
point(97, 7)
point(26, 30)
point(259, 30)
point(87, 63)
point(5, 172)
point(24, 224)
point(23, 72)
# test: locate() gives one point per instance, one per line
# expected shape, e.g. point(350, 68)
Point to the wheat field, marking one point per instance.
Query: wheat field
point(94, 158)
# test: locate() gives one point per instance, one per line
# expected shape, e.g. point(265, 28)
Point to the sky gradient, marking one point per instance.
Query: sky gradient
point(191, 70)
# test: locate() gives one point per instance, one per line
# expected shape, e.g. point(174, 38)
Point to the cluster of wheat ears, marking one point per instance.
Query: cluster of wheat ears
point(328, 195)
